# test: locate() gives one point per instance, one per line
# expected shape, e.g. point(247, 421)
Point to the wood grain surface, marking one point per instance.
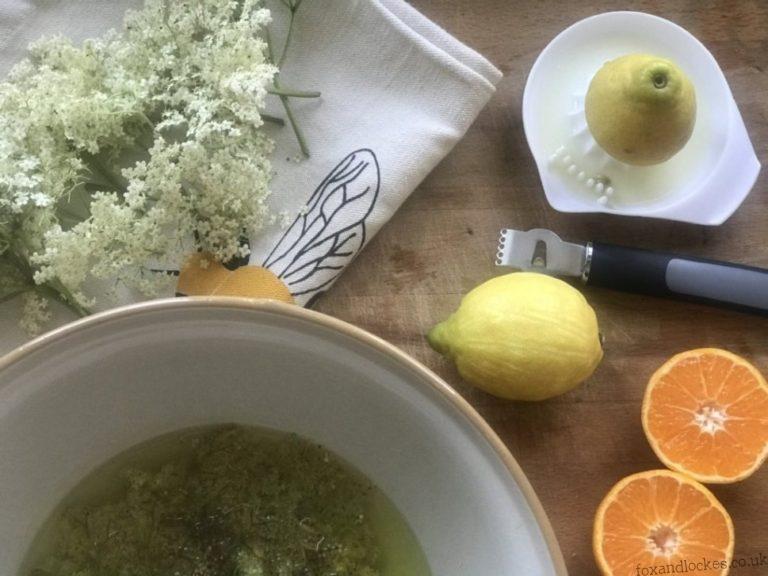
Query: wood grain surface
point(441, 244)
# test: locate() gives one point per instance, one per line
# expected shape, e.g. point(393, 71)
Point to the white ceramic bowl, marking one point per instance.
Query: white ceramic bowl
point(77, 396)
point(703, 184)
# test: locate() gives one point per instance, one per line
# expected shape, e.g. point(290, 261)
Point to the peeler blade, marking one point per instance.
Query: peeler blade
point(541, 250)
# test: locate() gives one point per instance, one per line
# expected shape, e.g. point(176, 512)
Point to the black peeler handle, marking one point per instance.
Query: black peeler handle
point(744, 288)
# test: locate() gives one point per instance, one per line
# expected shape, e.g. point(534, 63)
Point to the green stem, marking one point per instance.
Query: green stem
point(297, 131)
point(291, 93)
point(59, 292)
point(288, 36)
point(276, 82)
point(55, 290)
point(270, 52)
point(273, 119)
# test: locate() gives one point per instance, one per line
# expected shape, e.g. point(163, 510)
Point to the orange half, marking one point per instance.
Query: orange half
point(661, 519)
point(705, 414)
point(202, 275)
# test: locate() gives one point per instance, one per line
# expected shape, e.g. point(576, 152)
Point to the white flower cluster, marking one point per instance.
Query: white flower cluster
point(135, 148)
point(35, 312)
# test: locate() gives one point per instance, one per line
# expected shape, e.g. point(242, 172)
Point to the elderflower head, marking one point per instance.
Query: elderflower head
point(35, 313)
point(151, 144)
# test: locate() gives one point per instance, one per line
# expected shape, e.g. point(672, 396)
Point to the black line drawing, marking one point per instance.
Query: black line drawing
point(330, 232)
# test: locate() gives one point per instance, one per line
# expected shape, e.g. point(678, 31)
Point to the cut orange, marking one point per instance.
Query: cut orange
point(202, 275)
point(662, 522)
point(705, 413)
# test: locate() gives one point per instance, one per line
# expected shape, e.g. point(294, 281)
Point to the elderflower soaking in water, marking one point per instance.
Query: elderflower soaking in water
point(226, 501)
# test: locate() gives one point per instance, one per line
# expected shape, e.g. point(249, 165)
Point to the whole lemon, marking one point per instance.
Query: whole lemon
point(522, 336)
point(641, 109)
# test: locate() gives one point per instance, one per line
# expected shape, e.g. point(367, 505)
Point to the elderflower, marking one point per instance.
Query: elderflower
point(35, 313)
point(150, 145)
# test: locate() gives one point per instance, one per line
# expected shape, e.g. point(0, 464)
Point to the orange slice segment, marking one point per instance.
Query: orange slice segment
point(705, 414)
point(662, 518)
point(201, 275)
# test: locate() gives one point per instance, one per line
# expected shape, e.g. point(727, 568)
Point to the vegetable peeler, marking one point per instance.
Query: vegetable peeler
point(725, 284)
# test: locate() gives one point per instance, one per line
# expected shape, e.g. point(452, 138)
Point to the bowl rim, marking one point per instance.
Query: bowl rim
point(423, 374)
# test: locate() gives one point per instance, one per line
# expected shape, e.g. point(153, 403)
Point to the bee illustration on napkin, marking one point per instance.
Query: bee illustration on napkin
point(325, 236)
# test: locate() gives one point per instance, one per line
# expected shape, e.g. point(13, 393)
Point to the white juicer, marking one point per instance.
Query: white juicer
point(704, 183)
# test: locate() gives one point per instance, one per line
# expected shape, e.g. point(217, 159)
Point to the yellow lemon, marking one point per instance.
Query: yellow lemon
point(641, 109)
point(522, 336)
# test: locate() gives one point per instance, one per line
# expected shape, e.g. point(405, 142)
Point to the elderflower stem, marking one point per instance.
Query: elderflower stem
point(58, 292)
point(289, 34)
point(276, 81)
point(293, 93)
point(55, 290)
point(297, 131)
point(273, 119)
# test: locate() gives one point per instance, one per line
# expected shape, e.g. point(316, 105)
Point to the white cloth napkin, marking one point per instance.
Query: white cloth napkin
point(397, 93)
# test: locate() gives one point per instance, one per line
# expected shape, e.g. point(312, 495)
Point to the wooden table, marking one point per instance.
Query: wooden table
point(441, 244)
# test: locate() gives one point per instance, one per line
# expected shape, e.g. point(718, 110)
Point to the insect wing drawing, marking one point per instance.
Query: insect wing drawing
point(328, 234)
